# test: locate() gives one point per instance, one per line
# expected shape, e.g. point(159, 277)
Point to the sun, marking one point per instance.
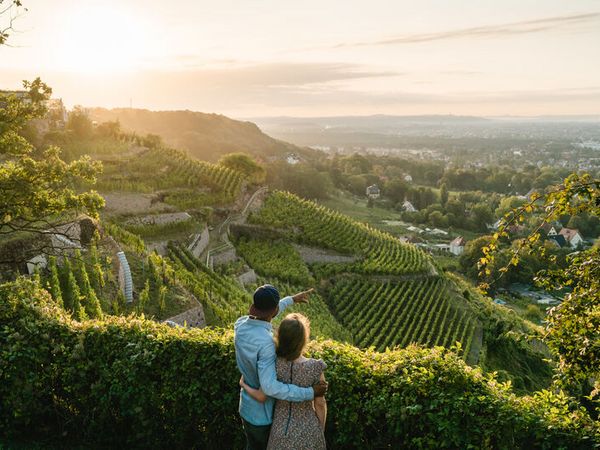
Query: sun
point(101, 39)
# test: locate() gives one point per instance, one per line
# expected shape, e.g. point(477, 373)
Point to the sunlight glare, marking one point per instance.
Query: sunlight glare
point(102, 40)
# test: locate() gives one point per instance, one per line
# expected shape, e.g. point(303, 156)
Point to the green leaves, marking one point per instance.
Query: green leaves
point(39, 192)
point(128, 382)
point(573, 328)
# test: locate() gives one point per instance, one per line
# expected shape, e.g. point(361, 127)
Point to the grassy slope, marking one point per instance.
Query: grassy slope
point(205, 136)
point(499, 335)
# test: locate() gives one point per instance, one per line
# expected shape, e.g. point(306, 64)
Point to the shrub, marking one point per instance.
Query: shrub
point(129, 382)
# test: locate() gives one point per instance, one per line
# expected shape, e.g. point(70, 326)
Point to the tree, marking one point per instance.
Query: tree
point(110, 129)
point(54, 282)
point(80, 124)
point(443, 194)
point(437, 219)
point(72, 296)
point(143, 298)
point(482, 216)
point(162, 294)
point(507, 204)
point(245, 164)
point(37, 190)
point(573, 327)
point(456, 207)
point(396, 190)
point(97, 276)
point(472, 254)
point(90, 299)
point(118, 303)
point(301, 179)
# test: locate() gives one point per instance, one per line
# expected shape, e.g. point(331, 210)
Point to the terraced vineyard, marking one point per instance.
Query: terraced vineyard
point(173, 169)
point(312, 224)
point(322, 323)
point(387, 314)
point(222, 297)
point(274, 259)
point(197, 173)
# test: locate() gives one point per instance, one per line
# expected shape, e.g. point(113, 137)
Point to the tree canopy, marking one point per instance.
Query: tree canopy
point(40, 192)
point(573, 327)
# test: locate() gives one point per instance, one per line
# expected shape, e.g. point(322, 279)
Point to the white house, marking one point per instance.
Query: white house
point(444, 248)
point(373, 191)
point(572, 236)
point(457, 246)
point(408, 206)
point(292, 159)
point(408, 178)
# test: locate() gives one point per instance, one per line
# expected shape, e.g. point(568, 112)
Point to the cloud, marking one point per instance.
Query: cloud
point(286, 74)
point(299, 89)
point(507, 29)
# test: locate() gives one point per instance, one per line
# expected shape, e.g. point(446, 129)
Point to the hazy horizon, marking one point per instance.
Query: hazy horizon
point(314, 59)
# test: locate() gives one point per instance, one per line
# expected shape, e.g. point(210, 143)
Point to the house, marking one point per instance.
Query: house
point(408, 178)
point(442, 248)
point(56, 113)
point(457, 246)
point(373, 191)
point(559, 240)
point(292, 159)
point(408, 206)
point(551, 229)
point(572, 236)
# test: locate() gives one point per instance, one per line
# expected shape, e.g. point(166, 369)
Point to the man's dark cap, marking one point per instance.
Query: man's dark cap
point(266, 301)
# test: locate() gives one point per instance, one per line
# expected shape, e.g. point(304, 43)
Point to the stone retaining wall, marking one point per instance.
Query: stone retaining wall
point(319, 255)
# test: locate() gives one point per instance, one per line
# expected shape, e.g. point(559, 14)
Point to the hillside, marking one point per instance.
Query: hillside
point(374, 295)
point(205, 136)
point(133, 383)
point(385, 293)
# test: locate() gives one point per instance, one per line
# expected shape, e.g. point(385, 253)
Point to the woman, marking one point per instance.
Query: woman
point(295, 425)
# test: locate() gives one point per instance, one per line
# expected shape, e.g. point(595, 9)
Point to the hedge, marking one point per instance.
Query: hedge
point(129, 382)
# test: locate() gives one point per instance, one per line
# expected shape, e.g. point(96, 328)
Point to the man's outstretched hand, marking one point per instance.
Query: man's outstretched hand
point(302, 297)
point(320, 389)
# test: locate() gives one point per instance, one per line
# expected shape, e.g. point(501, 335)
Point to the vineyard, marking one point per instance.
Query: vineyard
point(86, 285)
point(312, 224)
point(195, 181)
point(274, 259)
point(222, 297)
point(323, 324)
point(389, 314)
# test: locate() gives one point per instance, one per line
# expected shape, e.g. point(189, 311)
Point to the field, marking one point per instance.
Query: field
point(390, 314)
point(390, 296)
point(309, 223)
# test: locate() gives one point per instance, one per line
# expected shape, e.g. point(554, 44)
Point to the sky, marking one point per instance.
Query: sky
point(250, 58)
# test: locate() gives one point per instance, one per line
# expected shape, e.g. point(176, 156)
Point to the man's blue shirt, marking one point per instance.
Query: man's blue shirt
point(255, 356)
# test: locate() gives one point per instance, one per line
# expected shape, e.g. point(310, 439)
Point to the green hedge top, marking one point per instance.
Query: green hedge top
point(130, 382)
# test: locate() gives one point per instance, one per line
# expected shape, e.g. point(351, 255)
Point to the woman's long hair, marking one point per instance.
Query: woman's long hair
point(292, 336)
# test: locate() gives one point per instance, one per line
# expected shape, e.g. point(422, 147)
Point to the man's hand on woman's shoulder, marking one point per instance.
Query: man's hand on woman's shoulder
point(302, 297)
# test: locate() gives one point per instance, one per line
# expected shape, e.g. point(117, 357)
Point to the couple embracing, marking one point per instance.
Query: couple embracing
point(282, 401)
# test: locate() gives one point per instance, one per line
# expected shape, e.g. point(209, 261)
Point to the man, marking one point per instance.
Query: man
point(255, 356)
